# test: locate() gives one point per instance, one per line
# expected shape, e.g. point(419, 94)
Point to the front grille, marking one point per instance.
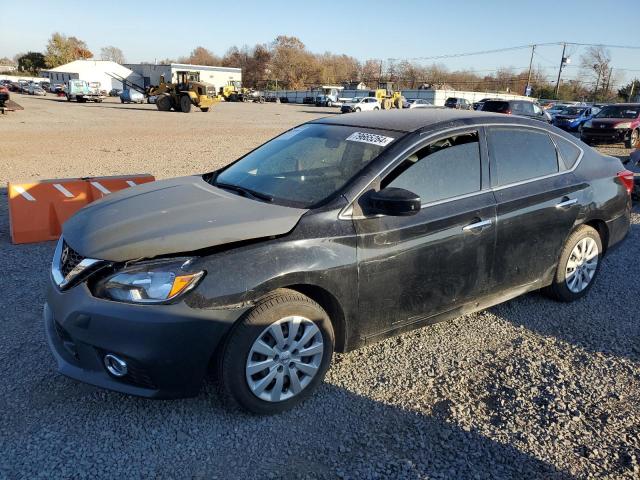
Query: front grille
point(69, 259)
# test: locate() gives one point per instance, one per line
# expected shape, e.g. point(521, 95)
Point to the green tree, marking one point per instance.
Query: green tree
point(62, 49)
point(630, 91)
point(31, 62)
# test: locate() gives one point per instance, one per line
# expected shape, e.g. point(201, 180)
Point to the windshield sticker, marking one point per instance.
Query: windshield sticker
point(291, 133)
point(372, 138)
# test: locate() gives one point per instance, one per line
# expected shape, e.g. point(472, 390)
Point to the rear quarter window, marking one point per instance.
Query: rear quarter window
point(568, 151)
point(519, 154)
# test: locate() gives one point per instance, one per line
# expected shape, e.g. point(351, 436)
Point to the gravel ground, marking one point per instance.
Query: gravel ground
point(529, 389)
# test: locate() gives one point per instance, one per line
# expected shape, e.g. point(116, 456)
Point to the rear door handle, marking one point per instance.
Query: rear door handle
point(567, 203)
point(477, 227)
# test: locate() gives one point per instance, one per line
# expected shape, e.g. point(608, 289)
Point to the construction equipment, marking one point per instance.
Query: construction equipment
point(180, 96)
point(387, 96)
point(184, 94)
point(233, 91)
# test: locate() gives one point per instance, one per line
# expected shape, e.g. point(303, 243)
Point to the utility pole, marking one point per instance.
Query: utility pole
point(380, 74)
point(633, 84)
point(562, 61)
point(606, 92)
point(595, 90)
point(528, 87)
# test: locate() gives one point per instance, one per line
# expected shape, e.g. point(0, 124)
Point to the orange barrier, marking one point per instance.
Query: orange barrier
point(37, 210)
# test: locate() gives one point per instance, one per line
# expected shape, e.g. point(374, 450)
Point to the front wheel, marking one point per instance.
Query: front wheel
point(357, 109)
point(578, 266)
point(185, 104)
point(633, 140)
point(277, 354)
point(375, 108)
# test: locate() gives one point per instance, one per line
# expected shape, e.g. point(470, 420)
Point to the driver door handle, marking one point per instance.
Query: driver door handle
point(477, 226)
point(567, 203)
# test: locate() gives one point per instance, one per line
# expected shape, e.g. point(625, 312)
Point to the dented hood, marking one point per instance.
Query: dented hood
point(172, 216)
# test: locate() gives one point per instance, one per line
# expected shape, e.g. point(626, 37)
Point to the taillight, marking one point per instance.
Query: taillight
point(507, 112)
point(626, 177)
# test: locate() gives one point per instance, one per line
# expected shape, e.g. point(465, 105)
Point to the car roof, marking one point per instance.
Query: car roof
point(411, 120)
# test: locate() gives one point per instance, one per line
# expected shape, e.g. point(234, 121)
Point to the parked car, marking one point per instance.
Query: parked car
point(619, 122)
point(337, 233)
point(4, 94)
point(417, 103)
point(556, 108)
point(523, 108)
point(478, 105)
point(572, 118)
point(36, 89)
point(56, 88)
point(458, 103)
point(115, 92)
point(131, 96)
point(360, 105)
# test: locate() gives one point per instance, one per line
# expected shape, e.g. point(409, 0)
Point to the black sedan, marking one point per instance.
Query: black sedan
point(335, 234)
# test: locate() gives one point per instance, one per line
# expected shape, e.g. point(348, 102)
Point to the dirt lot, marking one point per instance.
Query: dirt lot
point(528, 389)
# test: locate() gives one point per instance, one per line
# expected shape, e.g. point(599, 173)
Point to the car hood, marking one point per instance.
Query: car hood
point(172, 216)
point(567, 117)
point(609, 122)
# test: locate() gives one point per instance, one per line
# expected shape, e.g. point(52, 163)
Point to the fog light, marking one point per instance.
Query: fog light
point(116, 366)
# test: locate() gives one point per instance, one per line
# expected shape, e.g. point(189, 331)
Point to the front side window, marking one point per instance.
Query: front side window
point(446, 168)
point(306, 165)
point(520, 154)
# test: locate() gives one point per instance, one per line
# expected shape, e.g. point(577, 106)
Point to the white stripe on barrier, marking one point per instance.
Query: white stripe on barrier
point(131, 183)
point(24, 193)
point(63, 190)
point(100, 187)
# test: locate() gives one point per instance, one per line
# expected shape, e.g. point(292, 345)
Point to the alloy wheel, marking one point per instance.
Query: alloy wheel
point(582, 265)
point(284, 359)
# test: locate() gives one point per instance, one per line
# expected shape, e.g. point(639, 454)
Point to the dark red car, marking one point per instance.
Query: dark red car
point(614, 123)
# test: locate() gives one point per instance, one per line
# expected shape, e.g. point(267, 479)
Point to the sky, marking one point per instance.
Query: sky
point(147, 31)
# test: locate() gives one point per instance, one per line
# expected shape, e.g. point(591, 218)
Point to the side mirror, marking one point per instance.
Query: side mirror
point(395, 202)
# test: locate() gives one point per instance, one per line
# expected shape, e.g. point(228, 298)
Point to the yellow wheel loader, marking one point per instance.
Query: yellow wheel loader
point(184, 94)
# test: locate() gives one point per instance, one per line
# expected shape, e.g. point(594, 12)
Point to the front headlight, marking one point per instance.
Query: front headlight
point(622, 125)
point(150, 282)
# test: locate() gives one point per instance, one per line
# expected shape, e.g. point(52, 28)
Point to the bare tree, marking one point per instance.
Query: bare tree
point(112, 53)
point(201, 56)
point(596, 67)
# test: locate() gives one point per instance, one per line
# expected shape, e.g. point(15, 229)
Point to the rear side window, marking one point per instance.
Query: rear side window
point(444, 169)
point(568, 151)
point(497, 107)
point(519, 154)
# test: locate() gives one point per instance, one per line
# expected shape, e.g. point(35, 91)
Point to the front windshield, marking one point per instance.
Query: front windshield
point(619, 111)
point(306, 165)
point(572, 111)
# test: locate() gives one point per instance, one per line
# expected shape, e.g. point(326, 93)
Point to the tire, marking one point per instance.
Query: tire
point(121, 101)
point(185, 104)
point(329, 103)
point(204, 109)
point(163, 103)
point(276, 312)
point(375, 108)
point(633, 139)
point(567, 287)
point(357, 109)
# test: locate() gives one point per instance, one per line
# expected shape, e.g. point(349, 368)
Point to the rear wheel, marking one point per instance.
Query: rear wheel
point(163, 103)
point(578, 266)
point(277, 354)
point(185, 104)
point(376, 108)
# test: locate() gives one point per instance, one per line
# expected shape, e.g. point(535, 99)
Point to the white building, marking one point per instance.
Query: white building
point(104, 72)
point(216, 76)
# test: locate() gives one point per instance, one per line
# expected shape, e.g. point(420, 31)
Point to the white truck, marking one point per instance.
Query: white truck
point(81, 91)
